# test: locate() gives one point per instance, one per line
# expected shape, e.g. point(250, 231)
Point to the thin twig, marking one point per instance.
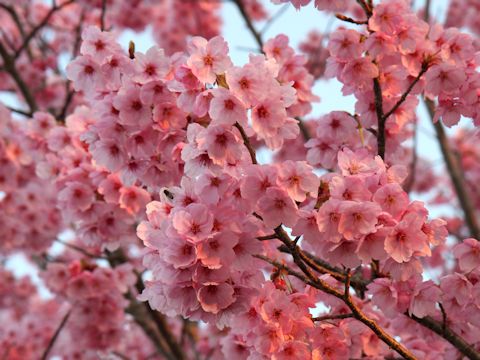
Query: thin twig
point(9, 66)
point(249, 23)
point(404, 96)
point(247, 143)
point(102, 15)
point(55, 335)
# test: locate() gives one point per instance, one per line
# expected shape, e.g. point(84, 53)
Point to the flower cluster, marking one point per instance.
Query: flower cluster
point(23, 226)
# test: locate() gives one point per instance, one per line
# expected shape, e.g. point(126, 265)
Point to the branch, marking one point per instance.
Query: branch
point(377, 90)
point(456, 175)
point(151, 321)
point(55, 335)
point(325, 287)
point(350, 20)
point(102, 15)
point(9, 66)
point(246, 141)
point(333, 317)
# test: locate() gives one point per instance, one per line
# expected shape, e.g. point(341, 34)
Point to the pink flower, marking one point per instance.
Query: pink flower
point(298, 179)
point(85, 74)
point(226, 109)
point(194, 222)
point(387, 17)
point(458, 287)
point(424, 298)
point(276, 208)
point(267, 116)
point(217, 251)
point(468, 254)
point(77, 196)
point(257, 180)
point(345, 44)
point(293, 350)
point(328, 218)
point(406, 238)
point(98, 44)
point(384, 295)
point(215, 297)
point(222, 145)
point(133, 199)
point(208, 58)
point(359, 72)
point(179, 252)
point(132, 110)
point(358, 218)
point(444, 78)
point(247, 84)
point(392, 199)
point(153, 65)
point(109, 154)
point(349, 188)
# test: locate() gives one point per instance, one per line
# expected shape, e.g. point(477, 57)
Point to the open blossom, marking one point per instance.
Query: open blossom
point(208, 58)
point(225, 108)
point(468, 254)
point(406, 238)
point(85, 73)
point(277, 207)
point(358, 219)
point(298, 179)
point(195, 222)
point(153, 65)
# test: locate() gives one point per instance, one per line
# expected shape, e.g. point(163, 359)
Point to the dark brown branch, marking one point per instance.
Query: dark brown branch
point(247, 143)
point(456, 175)
point(333, 317)
point(377, 90)
point(9, 66)
point(102, 15)
point(55, 335)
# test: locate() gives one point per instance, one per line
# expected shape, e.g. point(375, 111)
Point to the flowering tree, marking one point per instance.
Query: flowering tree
point(131, 182)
